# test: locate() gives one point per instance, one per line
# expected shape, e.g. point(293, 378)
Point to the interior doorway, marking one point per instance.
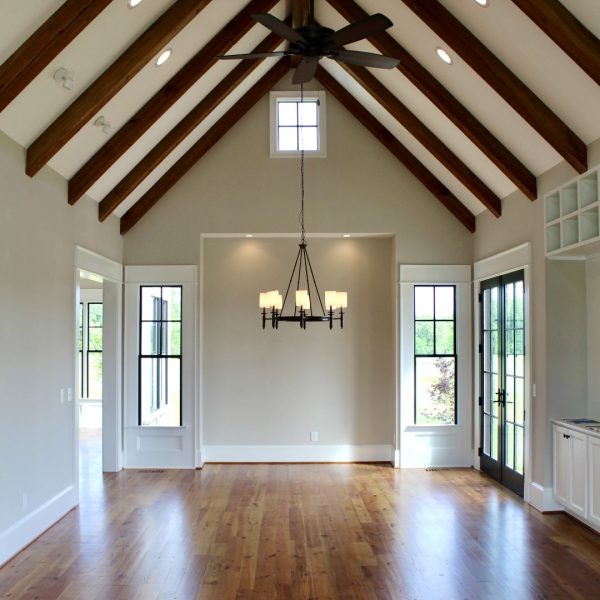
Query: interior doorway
point(502, 379)
point(90, 325)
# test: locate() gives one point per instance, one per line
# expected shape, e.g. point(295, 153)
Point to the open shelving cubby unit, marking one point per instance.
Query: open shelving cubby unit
point(572, 218)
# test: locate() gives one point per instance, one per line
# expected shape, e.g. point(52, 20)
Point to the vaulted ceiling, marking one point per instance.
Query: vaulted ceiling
point(521, 95)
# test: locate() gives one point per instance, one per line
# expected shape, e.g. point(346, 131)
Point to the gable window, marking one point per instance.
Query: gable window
point(160, 356)
point(435, 354)
point(297, 124)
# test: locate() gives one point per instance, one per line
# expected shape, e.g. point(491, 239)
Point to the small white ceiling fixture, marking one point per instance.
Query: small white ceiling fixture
point(163, 57)
point(483, 2)
point(347, 235)
point(133, 3)
point(103, 124)
point(65, 78)
point(444, 55)
point(248, 235)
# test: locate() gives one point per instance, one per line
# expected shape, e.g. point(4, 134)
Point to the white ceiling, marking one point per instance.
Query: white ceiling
point(502, 27)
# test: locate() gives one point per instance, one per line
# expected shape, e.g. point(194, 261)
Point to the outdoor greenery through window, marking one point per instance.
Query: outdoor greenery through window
point(90, 349)
point(435, 354)
point(160, 356)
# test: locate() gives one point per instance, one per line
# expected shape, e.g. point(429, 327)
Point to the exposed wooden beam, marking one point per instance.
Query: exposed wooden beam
point(43, 46)
point(502, 80)
point(426, 137)
point(182, 130)
point(434, 185)
point(110, 82)
point(446, 103)
point(203, 145)
point(566, 32)
point(164, 99)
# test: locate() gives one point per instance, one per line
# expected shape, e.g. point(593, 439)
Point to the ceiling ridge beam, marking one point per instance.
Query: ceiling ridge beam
point(569, 34)
point(184, 128)
point(426, 137)
point(204, 144)
point(446, 103)
point(503, 81)
point(434, 185)
point(164, 99)
point(44, 45)
point(107, 85)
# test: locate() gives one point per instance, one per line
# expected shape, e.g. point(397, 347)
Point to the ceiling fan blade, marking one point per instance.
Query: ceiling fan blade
point(366, 59)
point(361, 29)
point(255, 55)
point(305, 71)
point(279, 27)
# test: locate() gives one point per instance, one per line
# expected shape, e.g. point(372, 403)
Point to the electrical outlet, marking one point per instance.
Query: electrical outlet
point(314, 436)
point(69, 394)
point(534, 390)
point(25, 500)
point(62, 395)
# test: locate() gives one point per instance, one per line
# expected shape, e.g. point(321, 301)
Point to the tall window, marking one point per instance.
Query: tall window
point(435, 354)
point(90, 349)
point(160, 356)
point(297, 124)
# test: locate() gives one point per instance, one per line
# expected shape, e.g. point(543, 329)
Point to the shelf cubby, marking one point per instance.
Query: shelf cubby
point(552, 207)
point(587, 190)
point(568, 200)
point(589, 224)
point(553, 237)
point(569, 231)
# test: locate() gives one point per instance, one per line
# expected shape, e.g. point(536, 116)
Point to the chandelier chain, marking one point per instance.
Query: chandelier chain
point(303, 235)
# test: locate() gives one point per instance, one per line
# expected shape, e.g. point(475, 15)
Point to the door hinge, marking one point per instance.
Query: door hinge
point(480, 400)
point(480, 296)
point(480, 348)
point(479, 451)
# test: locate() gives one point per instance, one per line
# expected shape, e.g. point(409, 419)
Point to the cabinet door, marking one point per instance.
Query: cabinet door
point(594, 480)
point(579, 473)
point(561, 465)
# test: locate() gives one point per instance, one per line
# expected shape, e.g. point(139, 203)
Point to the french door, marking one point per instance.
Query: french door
point(502, 377)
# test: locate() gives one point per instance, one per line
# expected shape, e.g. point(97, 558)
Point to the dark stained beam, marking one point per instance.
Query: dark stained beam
point(426, 137)
point(434, 185)
point(43, 46)
point(164, 99)
point(182, 130)
point(565, 31)
point(446, 103)
point(144, 49)
point(502, 80)
point(203, 145)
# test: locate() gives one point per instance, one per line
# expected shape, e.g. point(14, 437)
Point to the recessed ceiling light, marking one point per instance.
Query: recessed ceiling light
point(248, 235)
point(133, 3)
point(483, 2)
point(444, 55)
point(163, 57)
point(347, 235)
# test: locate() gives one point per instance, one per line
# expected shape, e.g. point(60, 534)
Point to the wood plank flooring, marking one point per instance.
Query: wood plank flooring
point(254, 532)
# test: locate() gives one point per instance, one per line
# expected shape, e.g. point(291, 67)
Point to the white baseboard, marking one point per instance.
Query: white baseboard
point(312, 453)
point(542, 499)
point(199, 459)
point(32, 525)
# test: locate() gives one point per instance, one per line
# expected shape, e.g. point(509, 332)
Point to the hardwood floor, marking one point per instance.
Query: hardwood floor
point(254, 532)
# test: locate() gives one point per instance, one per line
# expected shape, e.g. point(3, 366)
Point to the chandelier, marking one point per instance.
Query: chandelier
point(308, 307)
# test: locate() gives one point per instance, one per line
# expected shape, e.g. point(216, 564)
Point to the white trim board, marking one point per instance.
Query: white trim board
point(31, 526)
point(97, 264)
point(542, 499)
point(504, 262)
point(313, 453)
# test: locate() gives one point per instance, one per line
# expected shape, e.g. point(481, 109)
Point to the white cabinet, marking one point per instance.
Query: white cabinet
point(572, 217)
point(571, 469)
point(594, 480)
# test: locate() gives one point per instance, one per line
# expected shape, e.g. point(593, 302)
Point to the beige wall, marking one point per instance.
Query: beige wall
point(359, 187)
point(274, 387)
point(38, 232)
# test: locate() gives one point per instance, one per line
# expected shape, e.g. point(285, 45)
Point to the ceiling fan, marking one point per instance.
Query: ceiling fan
point(312, 42)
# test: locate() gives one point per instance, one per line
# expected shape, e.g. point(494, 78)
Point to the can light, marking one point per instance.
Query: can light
point(444, 55)
point(133, 3)
point(163, 57)
point(483, 2)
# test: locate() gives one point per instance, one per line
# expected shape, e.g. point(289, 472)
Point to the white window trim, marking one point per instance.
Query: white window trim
point(435, 445)
point(321, 124)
